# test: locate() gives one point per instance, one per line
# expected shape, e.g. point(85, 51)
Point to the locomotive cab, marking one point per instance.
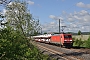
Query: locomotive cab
point(66, 40)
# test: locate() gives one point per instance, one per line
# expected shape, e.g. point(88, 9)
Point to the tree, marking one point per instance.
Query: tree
point(19, 18)
point(79, 32)
point(4, 2)
point(16, 16)
point(14, 47)
point(13, 42)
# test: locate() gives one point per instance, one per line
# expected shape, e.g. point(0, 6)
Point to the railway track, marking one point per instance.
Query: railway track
point(62, 53)
point(59, 54)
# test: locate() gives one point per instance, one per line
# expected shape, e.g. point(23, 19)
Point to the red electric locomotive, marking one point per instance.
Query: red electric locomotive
point(62, 39)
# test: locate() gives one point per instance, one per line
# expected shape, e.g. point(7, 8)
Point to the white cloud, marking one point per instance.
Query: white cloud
point(50, 27)
point(55, 17)
point(73, 21)
point(52, 17)
point(30, 2)
point(83, 12)
point(53, 26)
point(79, 16)
point(79, 20)
point(82, 5)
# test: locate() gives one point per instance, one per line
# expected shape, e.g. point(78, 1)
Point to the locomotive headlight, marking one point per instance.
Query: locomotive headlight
point(65, 40)
point(70, 40)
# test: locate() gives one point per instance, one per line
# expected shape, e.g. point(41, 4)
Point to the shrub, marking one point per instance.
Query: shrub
point(78, 42)
point(13, 46)
point(88, 43)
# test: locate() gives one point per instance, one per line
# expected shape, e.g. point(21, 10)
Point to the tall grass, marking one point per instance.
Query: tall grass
point(88, 43)
point(81, 43)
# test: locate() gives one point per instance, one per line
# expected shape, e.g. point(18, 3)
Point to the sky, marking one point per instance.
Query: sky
point(73, 14)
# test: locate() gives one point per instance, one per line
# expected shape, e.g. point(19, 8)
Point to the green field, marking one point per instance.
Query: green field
point(82, 37)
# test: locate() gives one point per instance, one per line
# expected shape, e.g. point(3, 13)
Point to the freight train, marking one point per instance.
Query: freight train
point(62, 39)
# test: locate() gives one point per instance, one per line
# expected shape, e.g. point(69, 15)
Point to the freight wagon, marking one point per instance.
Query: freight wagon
point(43, 38)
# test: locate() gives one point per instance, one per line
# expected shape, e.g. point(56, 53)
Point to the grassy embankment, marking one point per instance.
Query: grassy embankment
point(82, 41)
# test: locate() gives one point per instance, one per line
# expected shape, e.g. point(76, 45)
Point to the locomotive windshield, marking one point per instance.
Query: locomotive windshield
point(67, 36)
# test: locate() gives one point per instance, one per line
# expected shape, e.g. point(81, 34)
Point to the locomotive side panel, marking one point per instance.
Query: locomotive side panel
point(55, 39)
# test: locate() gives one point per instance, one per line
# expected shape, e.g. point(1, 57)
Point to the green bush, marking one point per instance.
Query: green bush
point(14, 46)
point(88, 43)
point(78, 43)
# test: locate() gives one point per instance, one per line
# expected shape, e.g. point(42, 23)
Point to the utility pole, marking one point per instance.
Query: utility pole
point(59, 25)
point(59, 32)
